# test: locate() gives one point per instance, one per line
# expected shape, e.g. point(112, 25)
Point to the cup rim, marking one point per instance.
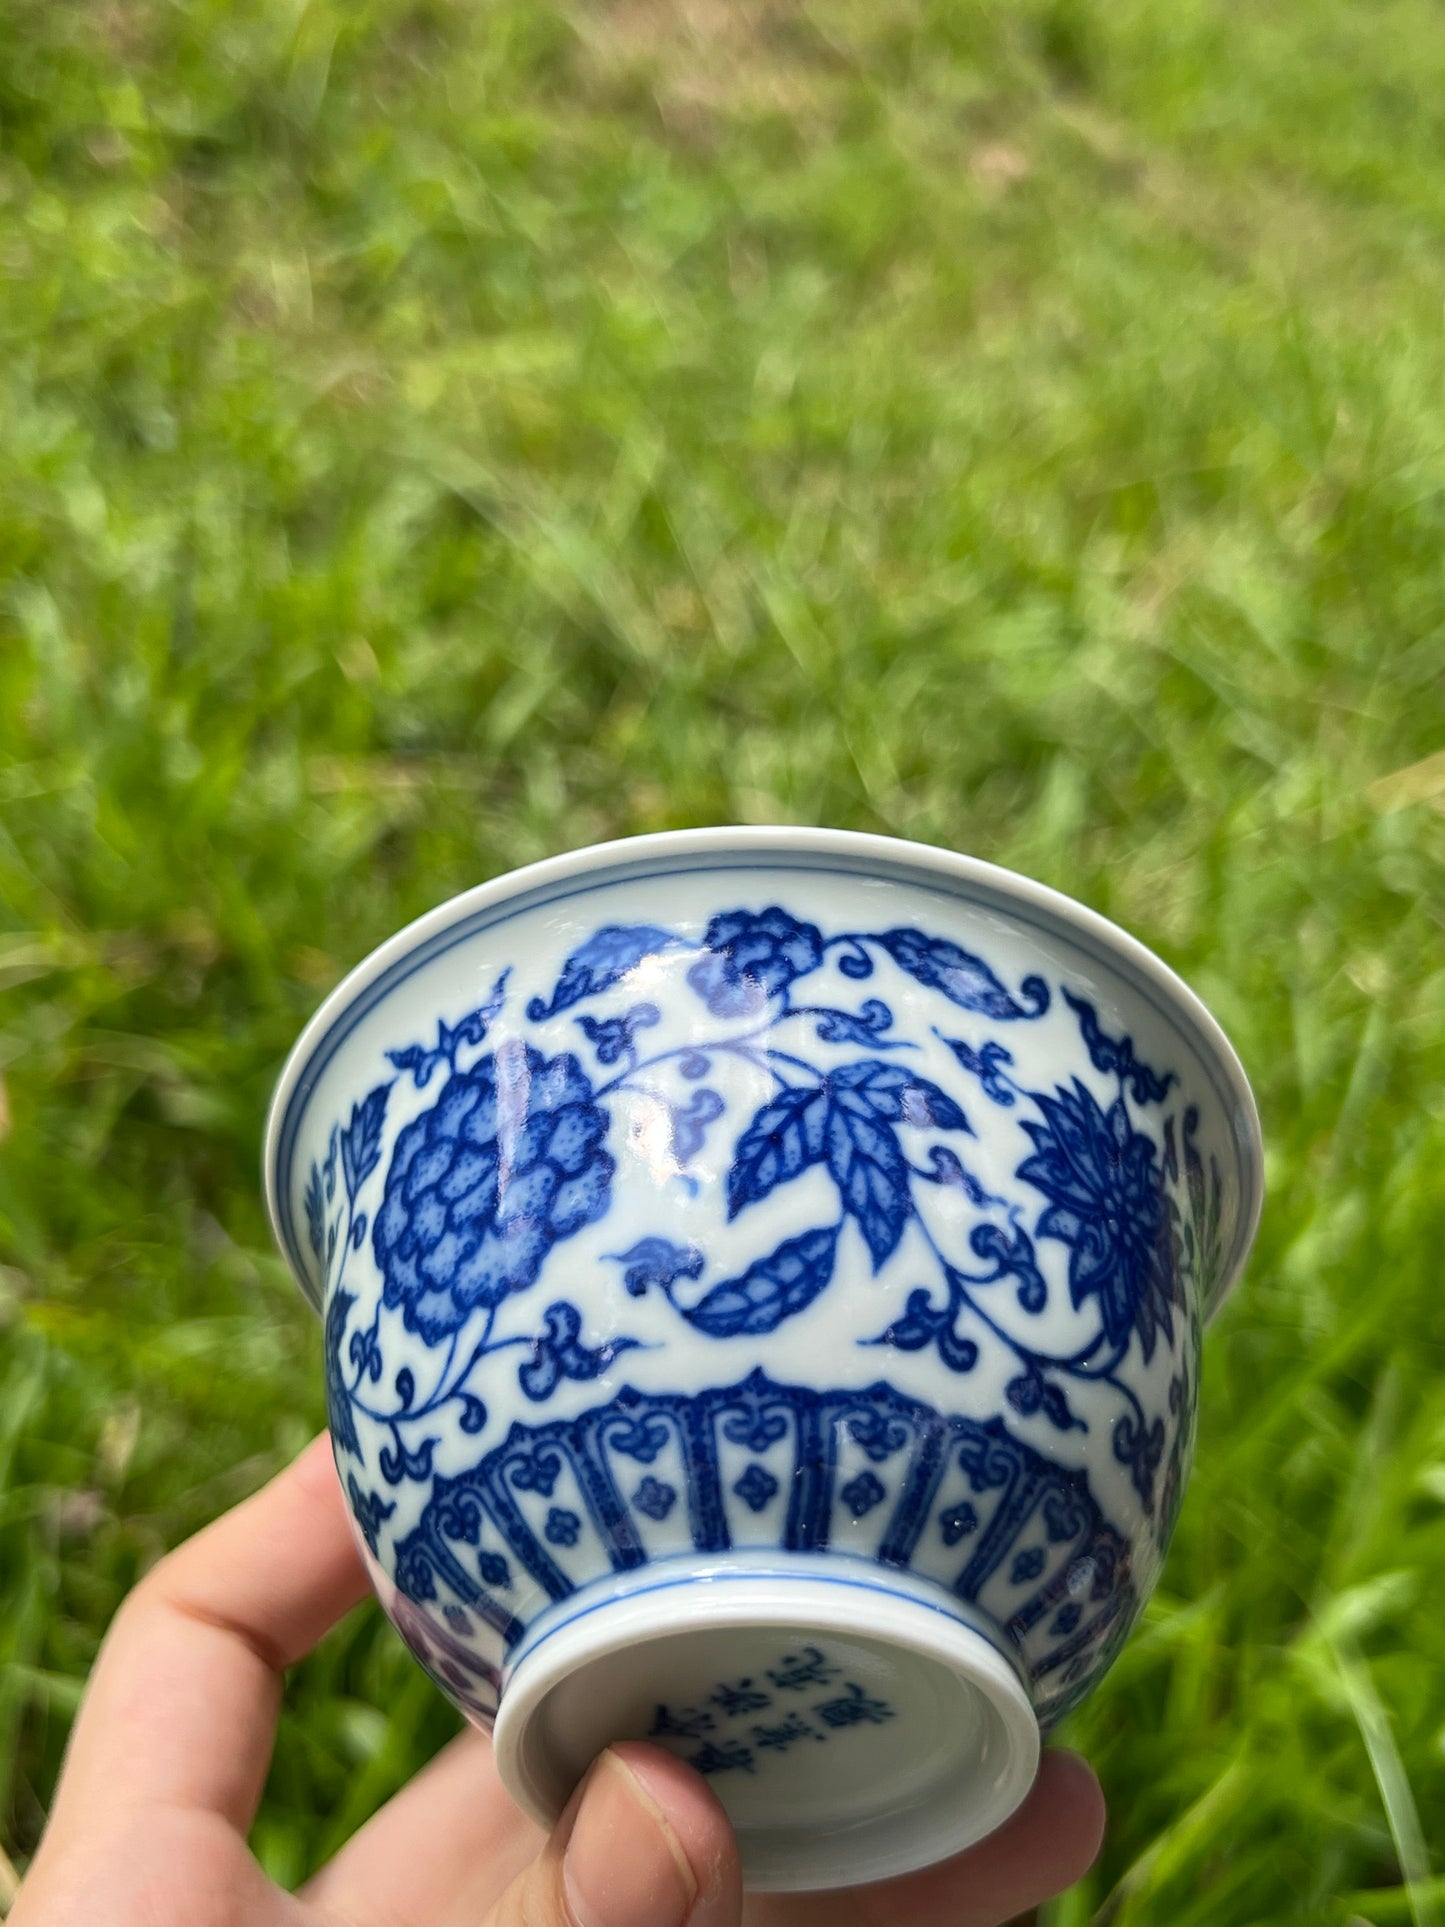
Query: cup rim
point(973, 876)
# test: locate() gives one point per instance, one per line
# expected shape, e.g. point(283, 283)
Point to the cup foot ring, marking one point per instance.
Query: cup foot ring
point(854, 1731)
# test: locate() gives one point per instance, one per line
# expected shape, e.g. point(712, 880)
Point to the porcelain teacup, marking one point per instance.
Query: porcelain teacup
point(763, 1274)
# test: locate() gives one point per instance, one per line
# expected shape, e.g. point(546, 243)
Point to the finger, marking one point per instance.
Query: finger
point(643, 1843)
point(181, 1707)
point(1048, 1844)
point(180, 1867)
point(441, 1851)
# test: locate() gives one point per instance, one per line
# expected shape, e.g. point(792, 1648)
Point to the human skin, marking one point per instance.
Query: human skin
point(171, 1748)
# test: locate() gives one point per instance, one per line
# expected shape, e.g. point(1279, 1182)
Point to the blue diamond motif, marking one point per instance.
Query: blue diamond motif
point(1067, 1618)
point(861, 1494)
point(957, 1522)
point(756, 1487)
point(494, 1569)
point(655, 1497)
point(562, 1526)
point(1027, 1566)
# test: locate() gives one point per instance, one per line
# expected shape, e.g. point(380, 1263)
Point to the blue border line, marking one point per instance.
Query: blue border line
point(494, 916)
point(947, 1612)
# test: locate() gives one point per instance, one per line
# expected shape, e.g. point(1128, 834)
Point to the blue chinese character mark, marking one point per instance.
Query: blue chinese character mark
point(854, 1707)
point(680, 1723)
point(810, 1667)
point(722, 1756)
point(785, 1733)
point(738, 1697)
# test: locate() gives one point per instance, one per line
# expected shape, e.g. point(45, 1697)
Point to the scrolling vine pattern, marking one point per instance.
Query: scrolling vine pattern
point(511, 1159)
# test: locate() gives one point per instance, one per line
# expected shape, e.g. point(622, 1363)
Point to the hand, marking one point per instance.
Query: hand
point(171, 1747)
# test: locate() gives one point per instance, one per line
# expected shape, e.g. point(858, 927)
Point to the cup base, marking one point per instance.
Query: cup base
point(856, 1725)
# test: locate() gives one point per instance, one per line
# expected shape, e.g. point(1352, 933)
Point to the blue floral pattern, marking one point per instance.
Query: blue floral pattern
point(746, 959)
point(485, 1152)
point(511, 1159)
point(1110, 1207)
point(508, 1162)
point(1027, 1541)
point(735, 1732)
point(757, 1487)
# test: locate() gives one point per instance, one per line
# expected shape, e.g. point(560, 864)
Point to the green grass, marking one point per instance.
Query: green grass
point(433, 435)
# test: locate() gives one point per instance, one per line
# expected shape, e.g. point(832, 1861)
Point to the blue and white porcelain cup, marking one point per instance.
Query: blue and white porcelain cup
point(763, 1275)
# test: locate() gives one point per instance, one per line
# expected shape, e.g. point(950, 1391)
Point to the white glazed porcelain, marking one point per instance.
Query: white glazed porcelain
point(763, 1273)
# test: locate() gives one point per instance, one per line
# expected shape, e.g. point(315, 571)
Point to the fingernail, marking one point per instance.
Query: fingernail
point(624, 1865)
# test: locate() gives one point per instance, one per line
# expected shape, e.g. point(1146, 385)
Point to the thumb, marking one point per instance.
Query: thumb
point(644, 1842)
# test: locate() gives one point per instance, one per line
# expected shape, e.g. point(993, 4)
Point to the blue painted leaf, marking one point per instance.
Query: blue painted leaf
point(474, 1413)
point(865, 1159)
point(657, 1261)
point(919, 1325)
point(1012, 1251)
point(405, 1386)
point(1140, 1447)
point(338, 1395)
point(369, 1510)
point(1032, 1393)
point(855, 961)
point(871, 1173)
point(1025, 1393)
point(615, 1037)
point(1056, 1408)
point(690, 1122)
point(608, 956)
point(365, 1352)
point(471, 1029)
point(864, 1026)
point(1116, 1054)
point(776, 1287)
point(958, 1354)
point(315, 1212)
point(986, 1065)
point(964, 979)
point(361, 1140)
point(898, 1095)
point(401, 1464)
point(786, 1136)
point(559, 1353)
point(948, 1170)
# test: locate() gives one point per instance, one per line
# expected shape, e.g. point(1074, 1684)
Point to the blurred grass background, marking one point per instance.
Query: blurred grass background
point(434, 435)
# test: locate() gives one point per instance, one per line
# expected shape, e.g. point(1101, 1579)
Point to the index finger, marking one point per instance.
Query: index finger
point(181, 1707)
